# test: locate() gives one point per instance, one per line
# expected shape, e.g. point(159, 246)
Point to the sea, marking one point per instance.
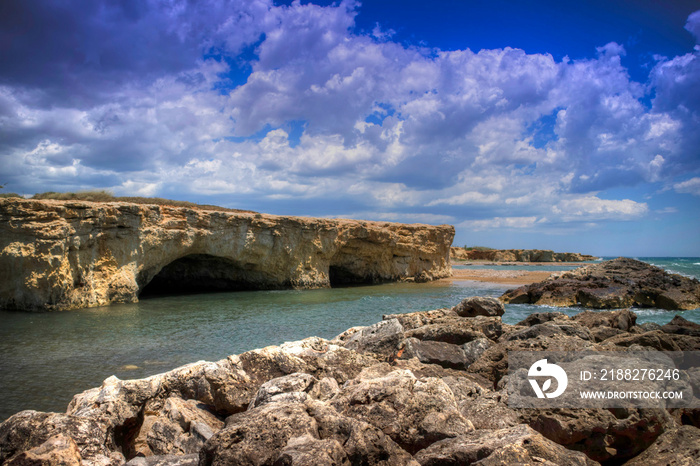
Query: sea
point(49, 357)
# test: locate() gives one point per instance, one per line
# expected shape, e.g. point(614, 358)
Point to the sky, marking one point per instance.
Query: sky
point(572, 126)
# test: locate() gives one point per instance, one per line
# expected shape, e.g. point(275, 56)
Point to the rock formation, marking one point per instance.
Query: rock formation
point(57, 255)
point(425, 388)
point(516, 255)
point(617, 283)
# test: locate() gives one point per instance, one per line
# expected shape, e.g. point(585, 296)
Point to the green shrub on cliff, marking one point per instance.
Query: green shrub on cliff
point(106, 196)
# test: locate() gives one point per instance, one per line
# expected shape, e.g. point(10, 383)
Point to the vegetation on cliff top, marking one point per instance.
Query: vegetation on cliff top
point(106, 196)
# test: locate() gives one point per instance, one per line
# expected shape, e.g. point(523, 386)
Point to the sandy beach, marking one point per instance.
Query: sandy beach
point(507, 277)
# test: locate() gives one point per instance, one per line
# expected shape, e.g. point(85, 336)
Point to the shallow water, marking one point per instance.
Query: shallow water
point(49, 357)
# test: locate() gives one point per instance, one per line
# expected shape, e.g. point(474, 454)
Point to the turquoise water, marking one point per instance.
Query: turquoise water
point(48, 357)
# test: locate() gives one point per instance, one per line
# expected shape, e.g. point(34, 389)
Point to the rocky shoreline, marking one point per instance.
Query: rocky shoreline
point(516, 255)
point(612, 284)
point(423, 388)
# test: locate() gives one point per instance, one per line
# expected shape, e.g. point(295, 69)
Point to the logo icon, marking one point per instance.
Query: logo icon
point(542, 368)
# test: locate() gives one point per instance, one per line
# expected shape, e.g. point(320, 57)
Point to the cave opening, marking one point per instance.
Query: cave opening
point(340, 277)
point(202, 273)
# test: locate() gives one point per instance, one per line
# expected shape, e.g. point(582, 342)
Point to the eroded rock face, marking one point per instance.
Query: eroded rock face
point(421, 388)
point(57, 255)
point(617, 283)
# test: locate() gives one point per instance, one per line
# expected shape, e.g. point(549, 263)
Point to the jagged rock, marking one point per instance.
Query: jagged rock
point(549, 329)
point(612, 284)
point(506, 445)
point(678, 446)
point(414, 320)
point(479, 306)
point(382, 338)
point(176, 426)
point(623, 319)
point(309, 433)
point(57, 450)
point(474, 349)
point(454, 331)
point(290, 388)
point(59, 255)
point(542, 317)
point(602, 434)
point(681, 326)
point(413, 412)
point(434, 352)
point(307, 450)
point(165, 460)
point(28, 434)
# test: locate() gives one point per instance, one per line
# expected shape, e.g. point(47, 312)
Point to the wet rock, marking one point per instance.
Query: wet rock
point(434, 352)
point(57, 450)
point(506, 445)
point(412, 412)
point(479, 306)
point(616, 283)
point(681, 326)
point(677, 446)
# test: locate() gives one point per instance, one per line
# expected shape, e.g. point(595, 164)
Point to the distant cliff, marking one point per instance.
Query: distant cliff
point(57, 255)
point(516, 255)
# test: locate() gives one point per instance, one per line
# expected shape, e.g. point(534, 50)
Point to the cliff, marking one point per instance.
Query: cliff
point(517, 255)
point(57, 255)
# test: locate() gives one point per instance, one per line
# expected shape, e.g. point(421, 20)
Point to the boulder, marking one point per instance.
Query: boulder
point(676, 446)
point(617, 283)
point(165, 460)
point(623, 319)
point(602, 434)
point(174, 427)
point(381, 339)
point(434, 352)
point(32, 434)
point(413, 412)
point(681, 326)
point(479, 306)
point(413, 320)
point(512, 445)
point(300, 433)
point(542, 317)
point(57, 450)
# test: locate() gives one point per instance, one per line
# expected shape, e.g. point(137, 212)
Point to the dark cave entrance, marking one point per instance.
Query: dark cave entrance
point(202, 273)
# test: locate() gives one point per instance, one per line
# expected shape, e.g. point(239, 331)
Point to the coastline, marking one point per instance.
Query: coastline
point(505, 277)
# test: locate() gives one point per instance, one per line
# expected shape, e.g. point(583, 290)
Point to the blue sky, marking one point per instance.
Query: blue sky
point(572, 126)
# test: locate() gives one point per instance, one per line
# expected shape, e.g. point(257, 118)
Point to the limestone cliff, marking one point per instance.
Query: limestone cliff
point(517, 255)
point(57, 255)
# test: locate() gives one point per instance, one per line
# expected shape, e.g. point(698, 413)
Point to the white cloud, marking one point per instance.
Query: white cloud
point(592, 208)
point(499, 223)
point(691, 186)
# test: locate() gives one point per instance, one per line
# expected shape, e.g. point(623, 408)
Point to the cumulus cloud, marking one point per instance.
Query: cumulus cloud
point(691, 186)
point(251, 102)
